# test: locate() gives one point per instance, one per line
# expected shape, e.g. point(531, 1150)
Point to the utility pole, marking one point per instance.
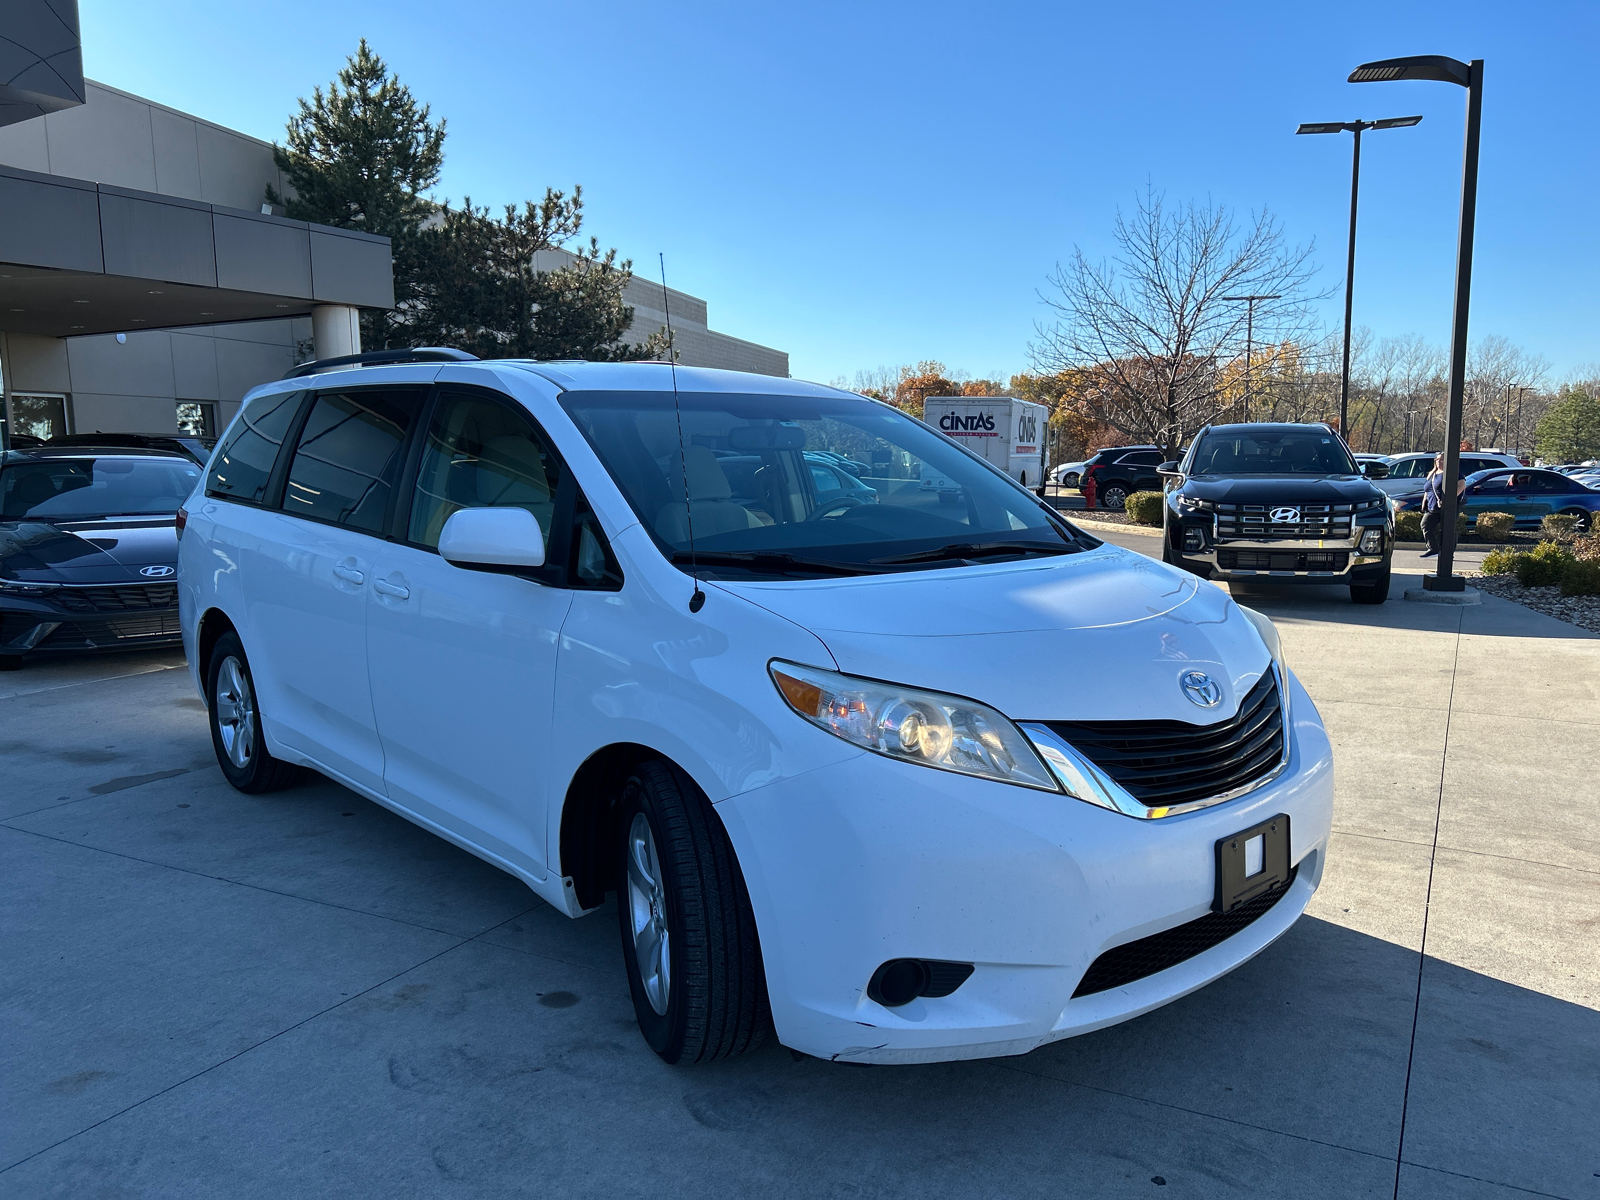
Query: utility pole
point(1249, 337)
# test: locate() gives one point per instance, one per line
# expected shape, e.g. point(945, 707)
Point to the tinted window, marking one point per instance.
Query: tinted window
point(60, 489)
point(481, 453)
point(1144, 458)
point(1541, 481)
point(593, 564)
point(243, 463)
point(348, 455)
point(824, 480)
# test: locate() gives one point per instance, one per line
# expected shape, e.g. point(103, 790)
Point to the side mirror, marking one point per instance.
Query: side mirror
point(1375, 470)
point(492, 539)
point(1167, 468)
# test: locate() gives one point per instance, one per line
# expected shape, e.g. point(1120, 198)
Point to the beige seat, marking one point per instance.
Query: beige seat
point(714, 511)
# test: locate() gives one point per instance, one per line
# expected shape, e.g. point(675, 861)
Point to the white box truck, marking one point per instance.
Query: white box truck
point(1006, 431)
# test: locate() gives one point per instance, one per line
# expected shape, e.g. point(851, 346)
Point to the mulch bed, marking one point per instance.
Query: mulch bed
point(1582, 611)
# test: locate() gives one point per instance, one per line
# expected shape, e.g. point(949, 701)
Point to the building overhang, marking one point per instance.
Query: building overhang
point(81, 258)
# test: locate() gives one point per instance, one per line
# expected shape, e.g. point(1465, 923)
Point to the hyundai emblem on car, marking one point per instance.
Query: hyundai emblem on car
point(157, 572)
point(1200, 688)
point(1285, 516)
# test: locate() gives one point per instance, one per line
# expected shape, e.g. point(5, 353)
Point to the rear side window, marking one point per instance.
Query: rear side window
point(1144, 458)
point(348, 456)
point(243, 463)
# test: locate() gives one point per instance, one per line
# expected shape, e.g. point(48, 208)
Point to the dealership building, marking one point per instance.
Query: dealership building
point(144, 284)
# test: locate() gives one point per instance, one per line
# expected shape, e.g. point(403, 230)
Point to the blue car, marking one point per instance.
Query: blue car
point(1529, 495)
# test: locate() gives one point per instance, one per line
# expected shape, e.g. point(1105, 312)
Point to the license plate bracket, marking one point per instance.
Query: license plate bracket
point(1247, 868)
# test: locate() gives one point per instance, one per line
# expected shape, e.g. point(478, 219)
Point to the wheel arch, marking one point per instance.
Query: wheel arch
point(212, 626)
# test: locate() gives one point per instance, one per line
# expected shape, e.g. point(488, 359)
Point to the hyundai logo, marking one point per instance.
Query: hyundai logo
point(1201, 688)
point(1286, 516)
point(157, 572)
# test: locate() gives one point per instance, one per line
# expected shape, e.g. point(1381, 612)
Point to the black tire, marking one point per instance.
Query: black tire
point(1112, 495)
point(1585, 519)
point(247, 766)
point(1375, 592)
point(715, 988)
point(10, 662)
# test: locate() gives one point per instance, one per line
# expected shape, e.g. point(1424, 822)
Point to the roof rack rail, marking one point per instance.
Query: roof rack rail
point(373, 358)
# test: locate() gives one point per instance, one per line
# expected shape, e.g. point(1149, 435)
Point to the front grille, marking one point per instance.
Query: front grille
point(98, 634)
point(1282, 560)
point(1124, 964)
point(133, 597)
point(1165, 763)
point(1317, 522)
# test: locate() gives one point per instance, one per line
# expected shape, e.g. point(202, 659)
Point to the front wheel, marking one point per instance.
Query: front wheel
point(1375, 592)
point(236, 723)
point(688, 932)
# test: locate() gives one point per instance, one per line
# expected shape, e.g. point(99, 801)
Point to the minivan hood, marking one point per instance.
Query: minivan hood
point(1099, 635)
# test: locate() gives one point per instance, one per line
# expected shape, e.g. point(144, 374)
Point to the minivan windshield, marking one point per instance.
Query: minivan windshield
point(808, 485)
point(78, 489)
point(1270, 451)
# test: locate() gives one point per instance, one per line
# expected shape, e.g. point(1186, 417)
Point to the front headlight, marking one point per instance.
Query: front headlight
point(1269, 635)
point(929, 728)
point(1195, 504)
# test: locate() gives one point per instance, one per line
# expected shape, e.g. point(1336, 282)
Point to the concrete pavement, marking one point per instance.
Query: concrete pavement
point(300, 994)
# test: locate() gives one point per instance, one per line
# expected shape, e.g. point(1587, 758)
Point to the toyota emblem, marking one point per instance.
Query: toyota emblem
point(157, 572)
point(1201, 688)
point(1286, 515)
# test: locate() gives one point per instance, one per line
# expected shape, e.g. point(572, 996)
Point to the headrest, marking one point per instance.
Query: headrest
point(706, 480)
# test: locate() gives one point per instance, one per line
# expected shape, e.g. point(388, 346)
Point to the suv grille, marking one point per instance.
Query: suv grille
point(135, 597)
point(1124, 964)
point(1255, 521)
point(1163, 763)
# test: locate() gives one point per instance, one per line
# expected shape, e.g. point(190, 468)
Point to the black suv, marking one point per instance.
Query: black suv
point(1114, 474)
point(1279, 504)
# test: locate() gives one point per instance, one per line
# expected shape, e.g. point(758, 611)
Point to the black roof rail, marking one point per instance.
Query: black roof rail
point(373, 358)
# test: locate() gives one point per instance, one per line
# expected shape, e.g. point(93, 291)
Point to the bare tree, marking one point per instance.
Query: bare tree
point(1153, 325)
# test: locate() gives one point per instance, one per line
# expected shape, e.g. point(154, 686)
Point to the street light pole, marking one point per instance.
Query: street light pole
point(1355, 127)
point(1470, 76)
point(1249, 336)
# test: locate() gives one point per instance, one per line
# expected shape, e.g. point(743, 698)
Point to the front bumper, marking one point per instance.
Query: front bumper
point(88, 619)
point(868, 860)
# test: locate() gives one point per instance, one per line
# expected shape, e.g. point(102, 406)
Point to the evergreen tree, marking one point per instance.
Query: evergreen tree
point(360, 156)
point(1569, 431)
point(479, 287)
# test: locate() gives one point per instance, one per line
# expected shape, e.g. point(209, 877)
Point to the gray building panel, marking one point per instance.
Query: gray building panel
point(49, 222)
point(177, 154)
point(139, 366)
point(262, 254)
point(166, 240)
point(354, 267)
point(244, 365)
point(194, 365)
point(25, 146)
point(41, 59)
point(234, 170)
point(108, 142)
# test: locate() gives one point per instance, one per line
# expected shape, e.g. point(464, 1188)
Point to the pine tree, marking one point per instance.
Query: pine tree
point(1569, 431)
point(360, 156)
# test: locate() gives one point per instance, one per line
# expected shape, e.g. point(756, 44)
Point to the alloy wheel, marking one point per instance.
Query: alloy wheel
point(647, 913)
point(236, 712)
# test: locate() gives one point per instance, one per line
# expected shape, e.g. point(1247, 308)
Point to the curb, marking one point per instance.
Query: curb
point(1152, 530)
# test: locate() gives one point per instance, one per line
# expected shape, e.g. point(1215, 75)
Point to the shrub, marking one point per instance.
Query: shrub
point(1144, 508)
point(1495, 527)
point(1408, 527)
point(1545, 566)
point(1560, 527)
point(1501, 562)
point(1581, 578)
point(1587, 549)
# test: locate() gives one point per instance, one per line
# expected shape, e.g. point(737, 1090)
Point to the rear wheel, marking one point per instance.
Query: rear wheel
point(1584, 520)
point(1113, 496)
point(1375, 592)
point(688, 932)
point(236, 723)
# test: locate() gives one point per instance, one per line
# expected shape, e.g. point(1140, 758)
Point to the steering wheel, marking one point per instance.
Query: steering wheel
point(839, 506)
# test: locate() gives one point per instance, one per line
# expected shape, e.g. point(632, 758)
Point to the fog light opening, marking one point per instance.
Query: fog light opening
point(901, 980)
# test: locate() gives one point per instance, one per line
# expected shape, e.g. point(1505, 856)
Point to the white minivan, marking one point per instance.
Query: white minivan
point(894, 779)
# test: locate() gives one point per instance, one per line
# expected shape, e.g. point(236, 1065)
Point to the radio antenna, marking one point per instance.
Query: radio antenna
point(697, 600)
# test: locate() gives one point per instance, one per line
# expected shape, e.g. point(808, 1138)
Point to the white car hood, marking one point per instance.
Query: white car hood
point(1100, 635)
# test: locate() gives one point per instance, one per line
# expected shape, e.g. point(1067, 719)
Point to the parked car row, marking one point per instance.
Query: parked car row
point(1528, 494)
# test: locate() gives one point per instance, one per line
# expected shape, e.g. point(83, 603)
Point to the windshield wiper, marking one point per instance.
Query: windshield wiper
point(770, 560)
point(975, 550)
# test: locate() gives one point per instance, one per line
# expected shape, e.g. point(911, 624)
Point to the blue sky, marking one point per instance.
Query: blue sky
point(868, 184)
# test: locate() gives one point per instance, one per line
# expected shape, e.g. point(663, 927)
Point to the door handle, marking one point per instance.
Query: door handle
point(349, 574)
point(398, 591)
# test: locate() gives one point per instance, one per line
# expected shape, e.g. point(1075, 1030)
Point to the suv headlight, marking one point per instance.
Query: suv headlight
point(928, 728)
point(1195, 504)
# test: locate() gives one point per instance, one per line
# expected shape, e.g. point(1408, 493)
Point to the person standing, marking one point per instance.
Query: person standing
point(1433, 505)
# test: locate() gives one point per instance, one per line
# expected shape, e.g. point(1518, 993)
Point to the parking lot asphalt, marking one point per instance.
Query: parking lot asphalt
point(211, 994)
